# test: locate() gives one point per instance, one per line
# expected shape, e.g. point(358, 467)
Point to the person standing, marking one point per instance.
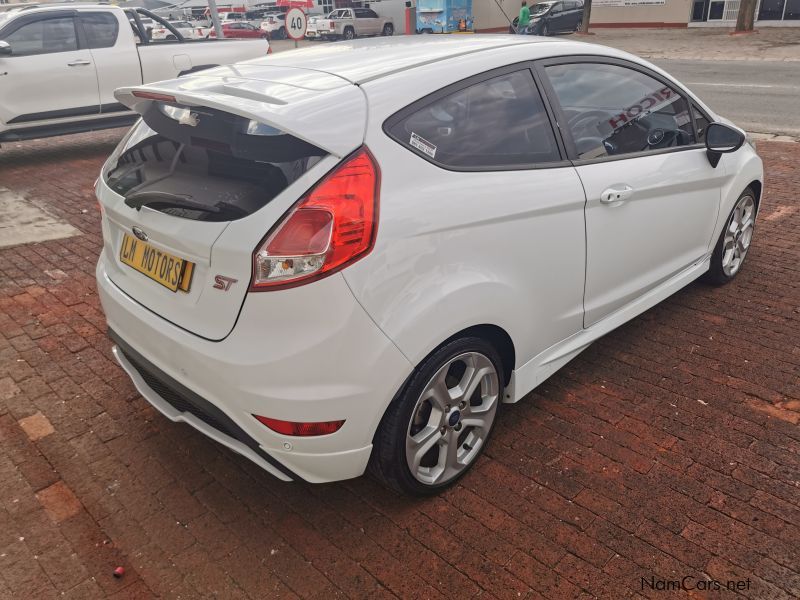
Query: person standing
point(524, 18)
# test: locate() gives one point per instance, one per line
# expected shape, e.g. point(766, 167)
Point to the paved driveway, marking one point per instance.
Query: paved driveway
point(670, 449)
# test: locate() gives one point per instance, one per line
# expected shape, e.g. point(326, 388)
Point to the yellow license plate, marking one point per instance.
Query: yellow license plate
point(170, 271)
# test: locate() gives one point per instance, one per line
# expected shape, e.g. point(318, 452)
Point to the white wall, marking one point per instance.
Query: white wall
point(392, 8)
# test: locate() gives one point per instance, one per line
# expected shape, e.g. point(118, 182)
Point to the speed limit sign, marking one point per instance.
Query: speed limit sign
point(295, 24)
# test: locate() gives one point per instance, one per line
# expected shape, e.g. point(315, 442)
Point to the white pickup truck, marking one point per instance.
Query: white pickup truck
point(350, 23)
point(60, 65)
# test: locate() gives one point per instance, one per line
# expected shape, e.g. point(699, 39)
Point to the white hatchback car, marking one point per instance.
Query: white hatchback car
point(350, 255)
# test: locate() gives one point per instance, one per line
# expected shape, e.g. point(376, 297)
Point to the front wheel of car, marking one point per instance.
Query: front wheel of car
point(388, 29)
point(734, 241)
point(438, 425)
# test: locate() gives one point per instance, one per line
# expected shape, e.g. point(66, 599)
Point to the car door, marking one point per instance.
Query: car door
point(571, 15)
point(556, 18)
point(47, 75)
point(363, 23)
point(652, 196)
point(251, 31)
point(374, 21)
point(112, 50)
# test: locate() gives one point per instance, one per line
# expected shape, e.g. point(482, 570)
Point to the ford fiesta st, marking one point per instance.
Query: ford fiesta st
point(347, 257)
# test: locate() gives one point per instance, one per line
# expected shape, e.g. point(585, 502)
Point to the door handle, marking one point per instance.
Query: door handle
point(79, 63)
point(616, 195)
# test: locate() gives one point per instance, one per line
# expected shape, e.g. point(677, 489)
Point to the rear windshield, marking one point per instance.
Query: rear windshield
point(205, 164)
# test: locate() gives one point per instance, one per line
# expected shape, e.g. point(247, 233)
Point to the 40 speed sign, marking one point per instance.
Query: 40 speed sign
point(295, 24)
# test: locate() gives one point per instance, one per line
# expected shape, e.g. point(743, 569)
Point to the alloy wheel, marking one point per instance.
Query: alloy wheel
point(452, 418)
point(738, 235)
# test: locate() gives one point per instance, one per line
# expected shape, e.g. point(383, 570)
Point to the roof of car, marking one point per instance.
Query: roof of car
point(359, 61)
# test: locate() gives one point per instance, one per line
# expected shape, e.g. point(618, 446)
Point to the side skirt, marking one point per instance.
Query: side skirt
point(539, 368)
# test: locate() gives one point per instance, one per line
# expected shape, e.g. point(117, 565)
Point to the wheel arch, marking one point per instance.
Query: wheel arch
point(757, 187)
point(493, 334)
point(497, 337)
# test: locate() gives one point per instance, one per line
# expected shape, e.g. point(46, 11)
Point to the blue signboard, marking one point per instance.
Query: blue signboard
point(444, 16)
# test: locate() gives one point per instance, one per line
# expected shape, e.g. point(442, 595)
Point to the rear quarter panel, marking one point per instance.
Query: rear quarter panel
point(457, 249)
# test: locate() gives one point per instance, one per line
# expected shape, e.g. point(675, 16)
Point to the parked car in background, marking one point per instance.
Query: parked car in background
point(55, 81)
point(238, 30)
point(311, 26)
point(187, 30)
point(350, 23)
point(274, 25)
point(233, 17)
point(557, 16)
point(360, 271)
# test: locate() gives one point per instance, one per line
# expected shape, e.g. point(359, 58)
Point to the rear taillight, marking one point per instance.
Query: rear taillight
point(331, 227)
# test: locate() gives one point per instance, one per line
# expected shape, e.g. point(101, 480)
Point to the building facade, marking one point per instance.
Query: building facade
point(495, 15)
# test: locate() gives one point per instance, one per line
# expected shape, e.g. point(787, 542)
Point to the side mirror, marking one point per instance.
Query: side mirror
point(722, 139)
point(5, 48)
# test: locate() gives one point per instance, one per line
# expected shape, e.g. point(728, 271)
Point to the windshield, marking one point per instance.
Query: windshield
point(541, 8)
point(205, 164)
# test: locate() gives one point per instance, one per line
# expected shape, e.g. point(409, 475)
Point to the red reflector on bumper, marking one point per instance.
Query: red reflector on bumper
point(301, 429)
point(153, 96)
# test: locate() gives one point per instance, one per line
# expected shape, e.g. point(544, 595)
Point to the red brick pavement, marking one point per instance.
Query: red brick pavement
point(670, 448)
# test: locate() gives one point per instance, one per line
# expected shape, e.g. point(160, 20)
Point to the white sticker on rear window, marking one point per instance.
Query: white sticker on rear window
point(422, 145)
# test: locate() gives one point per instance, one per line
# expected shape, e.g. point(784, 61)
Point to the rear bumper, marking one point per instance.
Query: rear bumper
point(304, 354)
point(180, 404)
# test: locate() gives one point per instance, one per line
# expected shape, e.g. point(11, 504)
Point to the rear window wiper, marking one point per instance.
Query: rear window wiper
point(167, 200)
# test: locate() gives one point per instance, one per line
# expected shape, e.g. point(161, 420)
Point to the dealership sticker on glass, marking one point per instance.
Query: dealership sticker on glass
point(422, 145)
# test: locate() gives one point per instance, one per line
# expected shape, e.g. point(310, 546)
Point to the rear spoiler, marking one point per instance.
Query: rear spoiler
point(315, 116)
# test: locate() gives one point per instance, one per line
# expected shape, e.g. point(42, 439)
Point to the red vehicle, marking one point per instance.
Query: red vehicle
point(239, 30)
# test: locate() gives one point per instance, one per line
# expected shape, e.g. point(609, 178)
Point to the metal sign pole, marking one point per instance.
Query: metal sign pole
point(212, 6)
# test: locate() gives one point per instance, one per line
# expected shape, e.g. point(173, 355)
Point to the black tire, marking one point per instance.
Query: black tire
point(171, 37)
point(389, 463)
point(388, 30)
point(545, 30)
point(349, 33)
point(282, 33)
point(717, 274)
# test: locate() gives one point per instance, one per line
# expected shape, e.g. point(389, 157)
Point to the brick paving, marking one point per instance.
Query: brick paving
point(669, 449)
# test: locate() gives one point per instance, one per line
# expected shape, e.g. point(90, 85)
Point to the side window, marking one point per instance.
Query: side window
point(101, 29)
point(361, 13)
point(701, 123)
point(45, 36)
point(613, 110)
point(557, 8)
point(371, 13)
point(500, 122)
